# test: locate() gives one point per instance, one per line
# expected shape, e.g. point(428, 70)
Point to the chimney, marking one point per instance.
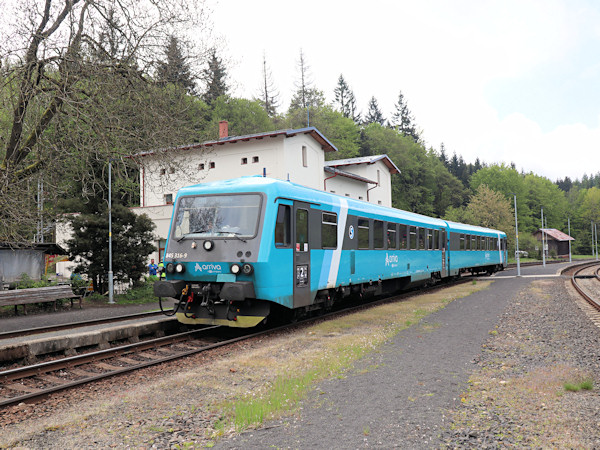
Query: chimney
point(223, 129)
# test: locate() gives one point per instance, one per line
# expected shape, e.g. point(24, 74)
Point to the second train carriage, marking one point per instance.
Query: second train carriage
point(239, 249)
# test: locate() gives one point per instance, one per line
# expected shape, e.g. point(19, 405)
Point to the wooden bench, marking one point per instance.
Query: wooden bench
point(25, 297)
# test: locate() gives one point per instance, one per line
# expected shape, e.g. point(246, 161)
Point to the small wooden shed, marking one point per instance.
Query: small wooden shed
point(557, 240)
point(16, 260)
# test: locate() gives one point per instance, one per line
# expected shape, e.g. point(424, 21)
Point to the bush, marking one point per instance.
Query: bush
point(25, 282)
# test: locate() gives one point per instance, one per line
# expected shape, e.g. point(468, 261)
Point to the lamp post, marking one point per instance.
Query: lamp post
point(111, 299)
point(517, 239)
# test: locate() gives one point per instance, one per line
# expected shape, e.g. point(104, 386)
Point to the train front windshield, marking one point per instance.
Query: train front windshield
point(217, 216)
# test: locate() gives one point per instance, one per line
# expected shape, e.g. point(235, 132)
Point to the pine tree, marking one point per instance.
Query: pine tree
point(374, 114)
point(268, 94)
point(175, 69)
point(443, 157)
point(345, 100)
point(403, 120)
point(215, 78)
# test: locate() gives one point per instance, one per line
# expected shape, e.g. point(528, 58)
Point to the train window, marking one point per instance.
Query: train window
point(282, 226)
point(421, 237)
point(462, 242)
point(436, 239)
point(429, 239)
point(412, 238)
point(403, 237)
point(329, 230)
point(301, 230)
point(363, 233)
point(378, 236)
point(444, 241)
point(473, 242)
point(391, 236)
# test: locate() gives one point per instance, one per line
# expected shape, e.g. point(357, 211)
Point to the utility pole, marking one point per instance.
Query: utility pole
point(111, 299)
point(517, 240)
point(543, 246)
point(569, 223)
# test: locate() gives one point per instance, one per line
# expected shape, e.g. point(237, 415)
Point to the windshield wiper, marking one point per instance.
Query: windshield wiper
point(235, 234)
point(203, 230)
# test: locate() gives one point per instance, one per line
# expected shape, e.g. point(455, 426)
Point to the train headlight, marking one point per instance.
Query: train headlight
point(235, 269)
point(247, 269)
point(208, 245)
point(170, 268)
point(179, 268)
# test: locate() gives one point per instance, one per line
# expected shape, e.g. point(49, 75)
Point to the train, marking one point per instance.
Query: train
point(243, 250)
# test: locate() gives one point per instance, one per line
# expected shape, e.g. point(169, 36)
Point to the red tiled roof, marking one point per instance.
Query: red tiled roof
point(555, 234)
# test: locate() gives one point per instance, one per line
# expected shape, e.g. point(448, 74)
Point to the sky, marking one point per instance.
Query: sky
point(506, 81)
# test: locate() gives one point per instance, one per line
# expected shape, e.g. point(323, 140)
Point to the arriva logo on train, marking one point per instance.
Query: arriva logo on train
point(391, 260)
point(210, 268)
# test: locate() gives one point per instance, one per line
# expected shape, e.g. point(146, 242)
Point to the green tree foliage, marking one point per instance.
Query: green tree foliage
point(132, 237)
point(374, 114)
point(339, 130)
point(424, 185)
point(215, 79)
point(487, 208)
point(244, 117)
point(403, 120)
point(175, 69)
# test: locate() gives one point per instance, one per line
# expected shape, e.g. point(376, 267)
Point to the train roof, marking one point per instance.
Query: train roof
point(467, 229)
point(293, 191)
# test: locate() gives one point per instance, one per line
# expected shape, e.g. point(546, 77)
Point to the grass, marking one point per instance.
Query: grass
point(586, 385)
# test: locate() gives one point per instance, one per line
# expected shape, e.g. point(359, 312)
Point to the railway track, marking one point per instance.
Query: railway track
point(34, 382)
point(586, 280)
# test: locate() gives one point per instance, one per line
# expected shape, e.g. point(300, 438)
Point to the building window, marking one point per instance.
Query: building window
point(163, 171)
point(329, 231)
point(360, 197)
point(379, 202)
point(378, 177)
point(212, 165)
point(347, 195)
point(201, 166)
point(333, 192)
point(304, 156)
point(171, 169)
point(255, 159)
point(244, 161)
point(168, 199)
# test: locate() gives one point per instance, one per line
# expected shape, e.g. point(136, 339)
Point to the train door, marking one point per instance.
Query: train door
point(302, 295)
point(444, 247)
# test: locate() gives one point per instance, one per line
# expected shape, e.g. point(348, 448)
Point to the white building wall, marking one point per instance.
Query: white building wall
point(378, 171)
point(304, 167)
point(346, 187)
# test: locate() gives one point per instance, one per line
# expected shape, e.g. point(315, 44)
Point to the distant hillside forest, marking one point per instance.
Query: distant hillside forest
point(70, 103)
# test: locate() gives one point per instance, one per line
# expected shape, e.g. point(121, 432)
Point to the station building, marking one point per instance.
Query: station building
point(294, 155)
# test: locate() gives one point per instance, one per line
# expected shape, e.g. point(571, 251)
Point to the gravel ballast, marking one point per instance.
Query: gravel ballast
point(486, 371)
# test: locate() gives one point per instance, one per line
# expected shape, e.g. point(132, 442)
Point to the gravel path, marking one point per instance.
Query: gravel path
point(517, 349)
point(397, 397)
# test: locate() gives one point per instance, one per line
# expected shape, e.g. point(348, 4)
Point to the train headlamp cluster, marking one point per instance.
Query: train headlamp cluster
point(208, 245)
point(246, 269)
point(178, 267)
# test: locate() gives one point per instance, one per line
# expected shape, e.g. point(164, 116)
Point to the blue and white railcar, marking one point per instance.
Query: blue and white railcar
point(239, 250)
point(475, 249)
